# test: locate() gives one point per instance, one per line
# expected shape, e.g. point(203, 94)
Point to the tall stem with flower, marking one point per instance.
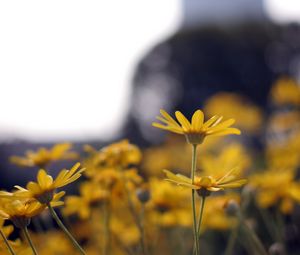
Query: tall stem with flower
point(195, 132)
point(193, 170)
point(7, 243)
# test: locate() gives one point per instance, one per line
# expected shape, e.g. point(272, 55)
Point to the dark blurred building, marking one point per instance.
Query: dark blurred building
point(228, 46)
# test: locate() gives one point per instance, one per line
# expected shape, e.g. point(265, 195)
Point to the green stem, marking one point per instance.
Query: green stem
point(254, 238)
point(65, 230)
point(142, 217)
point(26, 233)
point(280, 224)
point(135, 216)
point(106, 224)
point(7, 243)
point(193, 170)
point(232, 240)
point(271, 228)
point(201, 214)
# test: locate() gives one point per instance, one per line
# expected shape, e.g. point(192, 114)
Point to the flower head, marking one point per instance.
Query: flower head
point(206, 184)
point(91, 193)
point(19, 211)
point(43, 189)
point(275, 187)
point(196, 130)
point(42, 157)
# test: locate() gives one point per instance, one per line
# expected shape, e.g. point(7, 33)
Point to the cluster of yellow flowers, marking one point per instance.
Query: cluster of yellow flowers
point(129, 203)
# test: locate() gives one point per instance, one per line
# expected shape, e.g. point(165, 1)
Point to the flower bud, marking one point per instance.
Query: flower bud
point(143, 194)
point(232, 208)
point(276, 249)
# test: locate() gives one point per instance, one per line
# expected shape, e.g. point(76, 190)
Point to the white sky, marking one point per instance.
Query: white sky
point(66, 65)
point(283, 11)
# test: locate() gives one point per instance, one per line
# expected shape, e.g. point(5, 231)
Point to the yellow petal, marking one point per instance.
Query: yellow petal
point(187, 185)
point(211, 121)
point(227, 131)
point(33, 187)
point(168, 117)
point(234, 184)
point(183, 121)
point(168, 128)
point(222, 126)
point(197, 120)
point(44, 180)
point(177, 177)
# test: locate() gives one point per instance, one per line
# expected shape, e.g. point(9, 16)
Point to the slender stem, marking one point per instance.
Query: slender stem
point(271, 228)
point(254, 238)
point(142, 217)
point(106, 223)
point(135, 216)
point(26, 233)
point(7, 243)
point(280, 224)
point(232, 240)
point(65, 230)
point(193, 170)
point(201, 214)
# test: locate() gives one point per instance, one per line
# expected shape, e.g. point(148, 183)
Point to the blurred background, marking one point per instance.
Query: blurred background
point(97, 71)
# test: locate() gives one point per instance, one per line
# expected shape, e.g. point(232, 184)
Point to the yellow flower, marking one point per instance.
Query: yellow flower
point(248, 116)
point(168, 205)
point(286, 91)
point(116, 156)
point(215, 206)
point(231, 156)
point(121, 153)
point(127, 232)
point(20, 211)
point(49, 247)
point(205, 184)
point(42, 157)
point(196, 130)
point(276, 188)
point(91, 193)
point(43, 189)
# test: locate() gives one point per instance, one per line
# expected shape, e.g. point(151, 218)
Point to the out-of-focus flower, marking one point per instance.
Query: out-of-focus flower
point(44, 189)
point(285, 92)
point(16, 244)
point(169, 205)
point(283, 140)
point(196, 130)
point(215, 206)
point(116, 156)
point(274, 187)
point(43, 156)
point(19, 211)
point(91, 193)
point(175, 153)
point(206, 184)
point(282, 126)
point(125, 231)
point(249, 117)
point(230, 156)
point(51, 246)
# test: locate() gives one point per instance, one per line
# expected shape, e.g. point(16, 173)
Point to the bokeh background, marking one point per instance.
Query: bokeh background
point(94, 72)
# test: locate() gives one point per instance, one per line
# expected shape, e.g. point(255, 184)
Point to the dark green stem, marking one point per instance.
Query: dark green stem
point(26, 233)
point(232, 240)
point(7, 243)
point(106, 223)
point(201, 214)
point(260, 250)
point(193, 171)
point(135, 216)
point(65, 230)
